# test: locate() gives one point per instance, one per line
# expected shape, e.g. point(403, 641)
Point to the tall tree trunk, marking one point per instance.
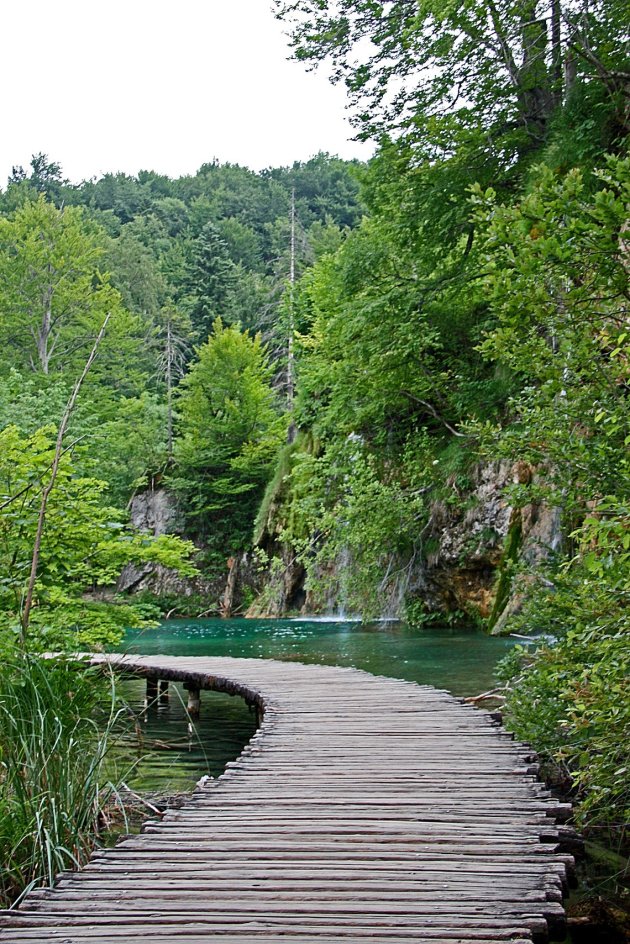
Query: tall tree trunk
point(169, 389)
point(43, 334)
point(535, 93)
point(227, 604)
point(290, 349)
point(556, 52)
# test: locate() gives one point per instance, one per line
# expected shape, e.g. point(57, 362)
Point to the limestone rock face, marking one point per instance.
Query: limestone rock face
point(466, 537)
point(156, 512)
point(541, 537)
point(462, 553)
point(283, 591)
point(163, 581)
point(469, 541)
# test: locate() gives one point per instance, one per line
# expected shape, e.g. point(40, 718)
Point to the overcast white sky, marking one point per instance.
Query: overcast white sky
point(160, 85)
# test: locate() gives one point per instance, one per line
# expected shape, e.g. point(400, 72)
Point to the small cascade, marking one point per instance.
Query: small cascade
point(343, 573)
point(393, 590)
point(336, 608)
point(401, 578)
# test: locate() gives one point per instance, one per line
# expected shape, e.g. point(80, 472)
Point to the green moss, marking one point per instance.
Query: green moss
point(269, 516)
point(507, 566)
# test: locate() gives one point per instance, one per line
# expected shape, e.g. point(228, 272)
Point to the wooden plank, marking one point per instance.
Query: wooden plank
point(364, 809)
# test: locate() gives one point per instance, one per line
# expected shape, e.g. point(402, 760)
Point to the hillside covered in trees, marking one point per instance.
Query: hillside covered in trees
point(189, 383)
point(403, 385)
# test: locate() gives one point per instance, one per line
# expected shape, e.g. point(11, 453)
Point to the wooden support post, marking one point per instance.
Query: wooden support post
point(150, 699)
point(163, 697)
point(194, 701)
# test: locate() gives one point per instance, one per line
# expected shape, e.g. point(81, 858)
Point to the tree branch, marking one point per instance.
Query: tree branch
point(434, 413)
point(28, 601)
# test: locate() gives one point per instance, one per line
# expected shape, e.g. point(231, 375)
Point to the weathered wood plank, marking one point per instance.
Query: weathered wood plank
point(363, 810)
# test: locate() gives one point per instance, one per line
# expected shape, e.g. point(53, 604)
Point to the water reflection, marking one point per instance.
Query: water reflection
point(163, 751)
point(461, 661)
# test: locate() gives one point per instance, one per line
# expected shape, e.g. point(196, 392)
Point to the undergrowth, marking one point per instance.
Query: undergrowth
point(54, 740)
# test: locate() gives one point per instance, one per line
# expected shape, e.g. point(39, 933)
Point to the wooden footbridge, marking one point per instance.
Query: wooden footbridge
point(365, 810)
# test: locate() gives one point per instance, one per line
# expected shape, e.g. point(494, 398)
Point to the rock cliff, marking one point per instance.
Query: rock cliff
point(472, 545)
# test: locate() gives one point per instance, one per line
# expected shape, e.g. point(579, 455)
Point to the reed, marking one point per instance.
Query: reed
point(55, 733)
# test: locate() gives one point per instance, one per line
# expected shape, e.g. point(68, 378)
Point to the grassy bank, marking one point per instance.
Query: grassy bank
point(54, 739)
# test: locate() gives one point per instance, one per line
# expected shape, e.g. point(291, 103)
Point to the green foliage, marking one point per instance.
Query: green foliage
point(229, 430)
point(557, 272)
point(507, 567)
point(209, 282)
point(85, 546)
point(54, 298)
point(442, 324)
point(556, 265)
point(268, 517)
point(136, 275)
point(418, 616)
point(123, 442)
point(150, 252)
point(30, 401)
point(456, 77)
point(353, 523)
point(119, 440)
point(571, 701)
point(326, 190)
point(54, 739)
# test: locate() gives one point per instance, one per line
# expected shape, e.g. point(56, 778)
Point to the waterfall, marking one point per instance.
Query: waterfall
point(343, 572)
point(399, 579)
point(393, 589)
point(336, 603)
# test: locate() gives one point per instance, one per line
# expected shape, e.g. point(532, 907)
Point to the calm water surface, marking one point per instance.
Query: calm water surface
point(168, 755)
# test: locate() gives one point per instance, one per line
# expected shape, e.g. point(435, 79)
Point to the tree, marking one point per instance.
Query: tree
point(557, 281)
point(174, 353)
point(53, 295)
point(45, 178)
point(54, 471)
point(325, 188)
point(210, 281)
point(229, 430)
point(85, 544)
point(444, 71)
point(135, 274)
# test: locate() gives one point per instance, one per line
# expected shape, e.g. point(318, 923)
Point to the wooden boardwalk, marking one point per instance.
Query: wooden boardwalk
point(365, 810)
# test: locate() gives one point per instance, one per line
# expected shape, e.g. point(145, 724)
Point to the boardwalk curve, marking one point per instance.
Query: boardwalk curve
point(364, 809)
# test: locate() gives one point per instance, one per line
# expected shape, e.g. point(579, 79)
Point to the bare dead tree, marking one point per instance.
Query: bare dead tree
point(172, 361)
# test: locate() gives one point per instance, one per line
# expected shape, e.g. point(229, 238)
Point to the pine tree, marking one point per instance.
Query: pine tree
point(210, 282)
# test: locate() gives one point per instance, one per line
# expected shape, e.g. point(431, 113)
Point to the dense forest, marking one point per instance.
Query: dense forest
point(400, 385)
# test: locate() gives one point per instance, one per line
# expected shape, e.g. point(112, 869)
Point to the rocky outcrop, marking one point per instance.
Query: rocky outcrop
point(464, 544)
point(165, 582)
point(541, 537)
point(472, 544)
point(282, 588)
point(481, 541)
point(156, 512)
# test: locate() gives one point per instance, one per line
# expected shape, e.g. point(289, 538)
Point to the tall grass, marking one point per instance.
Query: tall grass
point(54, 737)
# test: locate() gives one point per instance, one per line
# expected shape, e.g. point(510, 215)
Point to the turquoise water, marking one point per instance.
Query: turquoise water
point(165, 753)
point(162, 752)
point(462, 661)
